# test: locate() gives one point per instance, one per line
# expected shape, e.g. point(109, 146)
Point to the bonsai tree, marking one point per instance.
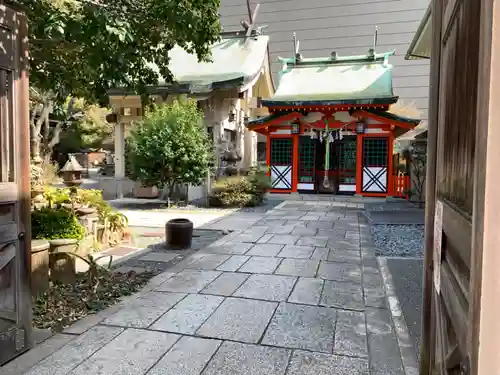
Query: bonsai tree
point(170, 146)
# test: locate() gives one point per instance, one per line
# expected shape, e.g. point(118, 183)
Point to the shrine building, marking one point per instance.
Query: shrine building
point(330, 128)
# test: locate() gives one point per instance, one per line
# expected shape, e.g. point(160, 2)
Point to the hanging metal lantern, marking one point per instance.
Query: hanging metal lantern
point(295, 128)
point(246, 120)
point(360, 127)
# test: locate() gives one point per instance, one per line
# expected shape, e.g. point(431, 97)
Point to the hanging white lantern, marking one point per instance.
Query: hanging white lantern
point(330, 138)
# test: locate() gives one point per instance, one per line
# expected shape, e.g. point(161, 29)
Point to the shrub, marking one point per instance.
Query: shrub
point(239, 191)
point(52, 224)
point(170, 147)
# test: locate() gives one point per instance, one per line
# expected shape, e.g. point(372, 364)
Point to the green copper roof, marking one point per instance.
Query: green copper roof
point(235, 60)
point(340, 80)
point(393, 116)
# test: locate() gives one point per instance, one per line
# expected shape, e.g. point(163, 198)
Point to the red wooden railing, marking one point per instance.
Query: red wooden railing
point(402, 184)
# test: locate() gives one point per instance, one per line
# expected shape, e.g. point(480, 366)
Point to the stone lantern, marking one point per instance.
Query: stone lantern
point(72, 172)
point(231, 157)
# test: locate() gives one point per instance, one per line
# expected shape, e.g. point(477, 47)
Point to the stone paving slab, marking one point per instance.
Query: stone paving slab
point(235, 358)
point(239, 319)
point(209, 262)
point(283, 239)
point(230, 247)
point(302, 327)
point(312, 241)
point(260, 265)
point(266, 287)
point(188, 315)
point(307, 291)
point(350, 334)
point(226, 284)
point(344, 256)
point(188, 356)
point(132, 352)
point(293, 251)
point(320, 253)
point(340, 271)
point(233, 263)
point(307, 363)
point(188, 281)
point(342, 295)
point(142, 312)
point(281, 229)
point(75, 352)
point(265, 250)
point(298, 267)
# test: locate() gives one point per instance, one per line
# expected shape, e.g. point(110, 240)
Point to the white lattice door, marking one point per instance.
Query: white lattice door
point(375, 165)
point(281, 163)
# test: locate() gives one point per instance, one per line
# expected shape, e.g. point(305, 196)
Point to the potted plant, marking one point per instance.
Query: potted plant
point(61, 228)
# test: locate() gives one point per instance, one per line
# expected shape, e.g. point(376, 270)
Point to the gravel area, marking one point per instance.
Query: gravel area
point(398, 240)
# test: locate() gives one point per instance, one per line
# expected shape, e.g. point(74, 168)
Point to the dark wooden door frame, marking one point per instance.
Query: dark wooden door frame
point(15, 229)
point(482, 337)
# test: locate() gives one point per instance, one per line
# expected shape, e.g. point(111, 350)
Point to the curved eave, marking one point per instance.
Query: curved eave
point(420, 47)
point(393, 117)
point(326, 103)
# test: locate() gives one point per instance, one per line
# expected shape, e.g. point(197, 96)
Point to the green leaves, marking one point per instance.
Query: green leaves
point(83, 48)
point(170, 146)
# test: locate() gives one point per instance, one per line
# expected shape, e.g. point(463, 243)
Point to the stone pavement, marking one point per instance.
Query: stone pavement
point(298, 292)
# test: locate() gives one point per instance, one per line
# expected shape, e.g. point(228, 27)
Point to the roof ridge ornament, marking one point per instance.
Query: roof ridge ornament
point(296, 46)
point(250, 24)
point(372, 54)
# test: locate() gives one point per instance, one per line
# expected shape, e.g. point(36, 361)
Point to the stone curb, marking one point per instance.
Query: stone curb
point(406, 347)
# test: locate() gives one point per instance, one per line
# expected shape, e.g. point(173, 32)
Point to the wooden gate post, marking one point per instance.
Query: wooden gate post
point(484, 335)
point(427, 349)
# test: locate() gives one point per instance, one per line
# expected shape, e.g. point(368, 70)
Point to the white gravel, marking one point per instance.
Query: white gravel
point(398, 240)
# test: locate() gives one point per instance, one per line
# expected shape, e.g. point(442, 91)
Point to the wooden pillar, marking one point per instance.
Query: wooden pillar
point(268, 152)
point(484, 334)
point(427, 352)
point(295, 162)
point(250, 137)
point(359, 163)
point(119, 157)
point(390, 167)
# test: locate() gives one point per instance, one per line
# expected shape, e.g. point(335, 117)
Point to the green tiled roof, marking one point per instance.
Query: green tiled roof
point(235, 61)
point(340, 80)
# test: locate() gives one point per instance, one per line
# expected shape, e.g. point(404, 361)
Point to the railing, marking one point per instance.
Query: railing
point(402, 184)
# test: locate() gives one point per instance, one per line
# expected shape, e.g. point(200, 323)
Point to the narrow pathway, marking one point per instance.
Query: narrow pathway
point(297, 292)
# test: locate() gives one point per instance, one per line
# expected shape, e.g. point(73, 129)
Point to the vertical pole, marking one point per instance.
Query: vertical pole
point(119, 157)
point(359, 163)
point(428, 333)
